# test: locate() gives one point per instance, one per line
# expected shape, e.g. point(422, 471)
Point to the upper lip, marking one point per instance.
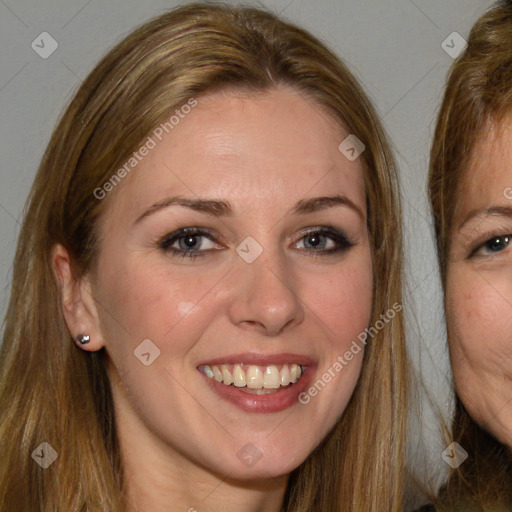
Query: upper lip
point(260, 359)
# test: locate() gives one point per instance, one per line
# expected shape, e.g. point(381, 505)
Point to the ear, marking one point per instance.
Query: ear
point(78, 304)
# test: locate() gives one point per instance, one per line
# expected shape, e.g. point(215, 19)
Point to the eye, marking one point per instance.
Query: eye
point(324, 240)
point(192, 242)
point(188, 242)
point(494, 245)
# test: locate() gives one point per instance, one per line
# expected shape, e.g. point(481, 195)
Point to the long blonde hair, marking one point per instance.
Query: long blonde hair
point(52, 391)
point(478, 92)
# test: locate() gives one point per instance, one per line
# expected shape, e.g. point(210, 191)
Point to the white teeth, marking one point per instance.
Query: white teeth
point(253, 377)
point(238, 376)
point(285, 375)
point(260, 391)
point(217, 374)
point(271, 379)
point(226, 375)
point(295, 373)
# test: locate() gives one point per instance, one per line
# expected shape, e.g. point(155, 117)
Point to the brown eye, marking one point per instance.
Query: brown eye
point(497, 244)
point(494, 245)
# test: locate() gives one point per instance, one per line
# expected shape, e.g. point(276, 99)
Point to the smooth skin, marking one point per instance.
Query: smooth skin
point(262, 153)
point(479, 285)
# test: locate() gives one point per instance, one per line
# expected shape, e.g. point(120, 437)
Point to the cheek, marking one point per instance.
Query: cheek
point(175, 306)
point(341, 305)
point(479, 320)
point(345, 303)
point(148, 302)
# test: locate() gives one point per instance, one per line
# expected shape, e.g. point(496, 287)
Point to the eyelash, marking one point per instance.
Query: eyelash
point(480, 246)
point(166, 242)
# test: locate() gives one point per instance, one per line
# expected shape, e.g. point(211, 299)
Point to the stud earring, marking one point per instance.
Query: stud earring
point(83, 339)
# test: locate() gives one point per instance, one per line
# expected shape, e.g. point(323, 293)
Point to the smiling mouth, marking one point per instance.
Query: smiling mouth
point(255, 379)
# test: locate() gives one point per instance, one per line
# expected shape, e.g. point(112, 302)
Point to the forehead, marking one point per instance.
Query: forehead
point(489, 172)
point(275, 146)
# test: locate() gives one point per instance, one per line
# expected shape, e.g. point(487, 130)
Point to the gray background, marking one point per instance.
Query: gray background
point(394, 48)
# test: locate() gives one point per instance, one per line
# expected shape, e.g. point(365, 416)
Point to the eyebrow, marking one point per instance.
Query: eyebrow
point(499, 211)
point(218, 208)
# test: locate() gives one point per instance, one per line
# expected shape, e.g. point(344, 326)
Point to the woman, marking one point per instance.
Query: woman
point(469, 185)
point(215, 225)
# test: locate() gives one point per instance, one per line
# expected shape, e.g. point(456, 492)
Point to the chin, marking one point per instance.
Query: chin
point(274, 460)
point(253, 461)
point(264, 470)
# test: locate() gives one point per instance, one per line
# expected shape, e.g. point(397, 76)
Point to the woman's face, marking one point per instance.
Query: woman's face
point(479, 284)
point(238, 247)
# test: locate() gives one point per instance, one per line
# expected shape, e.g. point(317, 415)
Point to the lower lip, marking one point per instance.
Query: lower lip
point(282, 399)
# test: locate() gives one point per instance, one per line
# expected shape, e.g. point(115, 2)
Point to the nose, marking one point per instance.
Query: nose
point(265, 295)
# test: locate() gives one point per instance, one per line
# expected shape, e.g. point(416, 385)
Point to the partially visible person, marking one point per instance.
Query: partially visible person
point(470, 188)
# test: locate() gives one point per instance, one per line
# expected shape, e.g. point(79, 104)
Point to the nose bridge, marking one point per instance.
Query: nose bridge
point(265, 289)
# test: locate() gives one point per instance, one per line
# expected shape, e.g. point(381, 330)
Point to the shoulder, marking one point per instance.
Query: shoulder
point(426, 508)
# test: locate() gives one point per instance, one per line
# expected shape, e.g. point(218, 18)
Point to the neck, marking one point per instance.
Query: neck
point(198, 491)
point(154, 481)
